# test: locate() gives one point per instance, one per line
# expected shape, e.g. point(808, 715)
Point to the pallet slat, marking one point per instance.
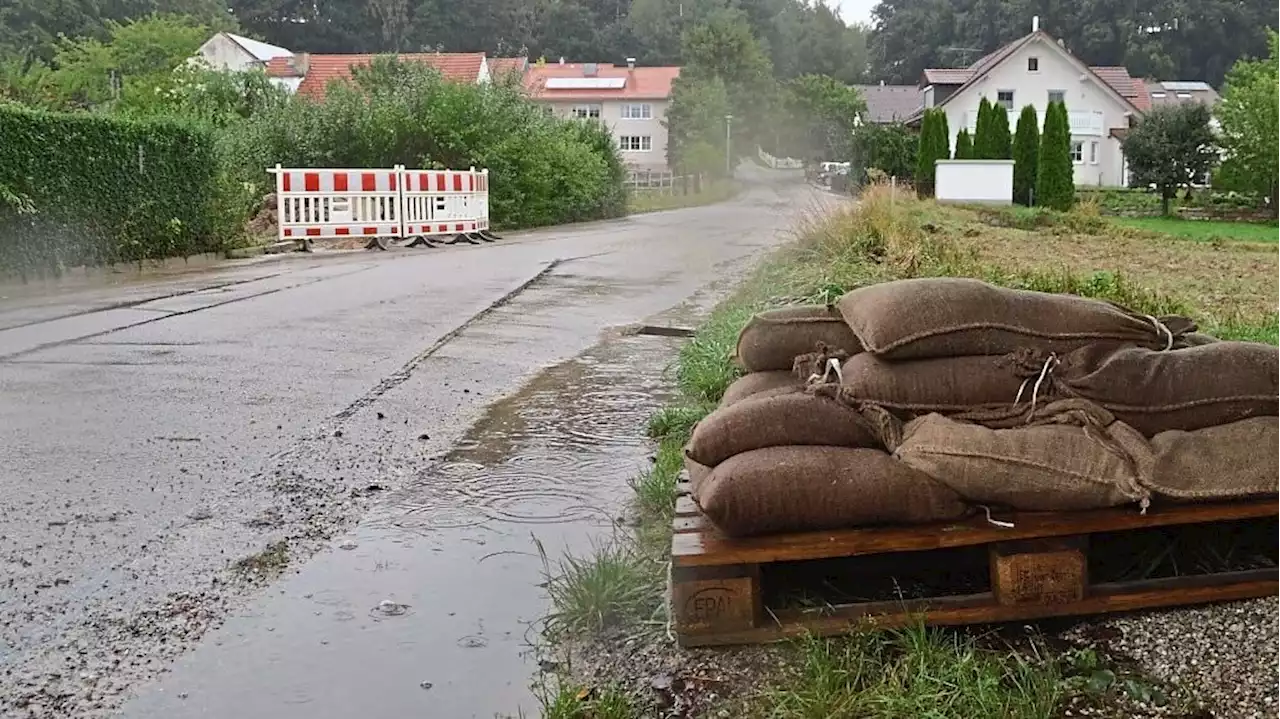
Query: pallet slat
point(710, 548)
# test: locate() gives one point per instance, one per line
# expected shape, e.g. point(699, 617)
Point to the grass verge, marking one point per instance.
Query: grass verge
point(914, 672)
point(651, 201)
point(1204, 230)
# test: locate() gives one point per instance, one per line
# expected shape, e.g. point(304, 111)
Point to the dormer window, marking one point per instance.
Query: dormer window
point(1033, 64)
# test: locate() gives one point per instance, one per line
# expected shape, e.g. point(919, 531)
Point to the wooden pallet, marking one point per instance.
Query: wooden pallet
point(722, 590)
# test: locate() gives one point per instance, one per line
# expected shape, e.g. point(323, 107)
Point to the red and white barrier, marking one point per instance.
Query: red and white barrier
point(439, 202)
point(378, 203)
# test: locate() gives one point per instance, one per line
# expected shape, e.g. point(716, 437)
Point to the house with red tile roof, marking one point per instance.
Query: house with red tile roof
point(309, 74)
point(632, 101)
point(1035, 70)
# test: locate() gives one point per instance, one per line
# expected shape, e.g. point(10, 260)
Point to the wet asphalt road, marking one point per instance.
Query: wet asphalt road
point(159, 435)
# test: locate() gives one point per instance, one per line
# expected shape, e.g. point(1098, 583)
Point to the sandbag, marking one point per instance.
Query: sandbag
point(794, 489)
point(1077, 457)
point(773, 339)
point(944, 384)
point(1184, 389)
point(697, 472)
point(950, 317)
point(777, 421)
point(1232, 461)
point(777, 382)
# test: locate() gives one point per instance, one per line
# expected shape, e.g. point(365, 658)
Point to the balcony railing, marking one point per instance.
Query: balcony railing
point(1081, 122)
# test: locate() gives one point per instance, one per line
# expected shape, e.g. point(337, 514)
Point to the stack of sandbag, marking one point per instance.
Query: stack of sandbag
point(926, 396)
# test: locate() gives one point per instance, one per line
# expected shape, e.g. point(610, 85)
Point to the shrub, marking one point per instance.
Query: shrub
point(889, 148)
point(543, 170)
point(90, 189)
point(999, 143)
point(982, 131)
point(1055, 177)
point(934, 146)
point(1026, 154)
point(1170, 148)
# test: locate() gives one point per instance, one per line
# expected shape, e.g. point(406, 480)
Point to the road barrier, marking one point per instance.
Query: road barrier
point(383, 205)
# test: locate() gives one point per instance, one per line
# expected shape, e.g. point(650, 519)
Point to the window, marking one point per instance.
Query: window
point(1077, 152)
point(1093, 153)
point(1184, 96)
point(637, 112)
point(548, 110)
point(1057, 96)
point(635, 143)
point(1005, 97)
point(583, 112)
point(1033, 64)
point(1158, 95)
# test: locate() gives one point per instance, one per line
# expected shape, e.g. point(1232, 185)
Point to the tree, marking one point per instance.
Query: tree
point(1171, 147)
point(1250, 126)
point(1055, 176)
point(998, 142)
point(934, 146)
point(89, 72)
point(822, 110)
point(695, 124)
point(982, 131)
point(964, 145)
point(1026, 155)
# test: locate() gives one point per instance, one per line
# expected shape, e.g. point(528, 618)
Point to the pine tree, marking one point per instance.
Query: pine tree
point(1055, 180)
point(982, 131)
point(999, 142)
point(1026, 154)
point(964, 148)
point(926, 154)
point(944, 136)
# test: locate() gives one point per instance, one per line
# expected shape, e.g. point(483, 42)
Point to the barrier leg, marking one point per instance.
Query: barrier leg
point(488, 236)
point(460, 238)
point(421, 241)
point(476, 238)
point(377, 243)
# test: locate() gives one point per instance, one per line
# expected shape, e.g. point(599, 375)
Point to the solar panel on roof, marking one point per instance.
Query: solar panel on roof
point(586, 83)
point(1186, 86)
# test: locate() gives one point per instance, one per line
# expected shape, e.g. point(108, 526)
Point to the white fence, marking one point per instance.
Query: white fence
point(980, 181)
point(662, 183)
point(779, 163)
point(381, 203)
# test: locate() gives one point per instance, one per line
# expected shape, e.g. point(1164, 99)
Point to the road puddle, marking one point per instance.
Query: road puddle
point(439, 587)
point(560, 450)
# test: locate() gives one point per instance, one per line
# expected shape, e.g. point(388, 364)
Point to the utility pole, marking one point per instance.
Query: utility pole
point(728, 145)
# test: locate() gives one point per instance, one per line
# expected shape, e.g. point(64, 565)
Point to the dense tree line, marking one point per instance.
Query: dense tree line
point(1164, 39)
point(798, 37)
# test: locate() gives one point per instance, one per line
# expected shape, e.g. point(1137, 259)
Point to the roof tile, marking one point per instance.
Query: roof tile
point(321, 69)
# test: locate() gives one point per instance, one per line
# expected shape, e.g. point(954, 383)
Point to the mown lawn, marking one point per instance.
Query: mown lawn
point(1205, 230)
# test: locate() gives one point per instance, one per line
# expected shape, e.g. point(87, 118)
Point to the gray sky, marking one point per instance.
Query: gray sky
point(854, 10)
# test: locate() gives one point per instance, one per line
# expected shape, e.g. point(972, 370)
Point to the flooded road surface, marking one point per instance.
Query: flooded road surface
point(174, 452)
point(428, 608)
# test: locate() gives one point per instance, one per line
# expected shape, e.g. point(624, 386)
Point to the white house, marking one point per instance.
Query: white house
point(631, 100)
point(227, 51)
point(1035, 70)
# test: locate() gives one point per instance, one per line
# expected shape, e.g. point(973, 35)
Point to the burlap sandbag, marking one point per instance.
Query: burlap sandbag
point(1184, 389)
point(950, 317)
point(771, 383)
point(773, 339)
point(778, 421)
point(1076, 457)
point(1231, 461)
point(697, 472)
point(794, 489)
point(944, 384)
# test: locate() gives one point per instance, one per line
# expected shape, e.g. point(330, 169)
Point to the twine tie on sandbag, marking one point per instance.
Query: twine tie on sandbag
point(832, 367)
point(1049, 364)
point(1163, 331)
point(995, 522)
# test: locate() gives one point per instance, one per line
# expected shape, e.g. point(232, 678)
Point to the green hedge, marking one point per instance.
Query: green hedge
point(85, 189)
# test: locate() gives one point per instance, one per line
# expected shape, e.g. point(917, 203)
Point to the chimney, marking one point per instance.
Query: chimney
point(589, 69)
point(300, 63)
point(631, 63)
point(1035, 23)
point(882, 83)
point(562, 61)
